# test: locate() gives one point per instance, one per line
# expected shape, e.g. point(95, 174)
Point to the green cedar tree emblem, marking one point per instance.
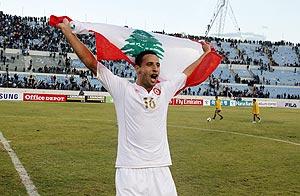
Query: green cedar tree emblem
point(139, 41)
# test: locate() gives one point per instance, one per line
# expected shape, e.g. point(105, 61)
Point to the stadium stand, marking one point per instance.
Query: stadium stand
point(35, 55)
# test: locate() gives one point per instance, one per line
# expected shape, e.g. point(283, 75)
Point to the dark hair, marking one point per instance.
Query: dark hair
point(139, 57)
point(254, 99)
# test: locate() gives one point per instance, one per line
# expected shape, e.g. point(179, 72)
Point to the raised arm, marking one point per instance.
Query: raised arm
point(84, 54)
point(206, 49)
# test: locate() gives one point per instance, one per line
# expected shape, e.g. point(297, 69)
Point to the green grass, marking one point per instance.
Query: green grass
point(70, 149)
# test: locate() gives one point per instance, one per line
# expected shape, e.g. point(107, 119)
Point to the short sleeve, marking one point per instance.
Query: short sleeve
point(112, 83)
point(174, 85)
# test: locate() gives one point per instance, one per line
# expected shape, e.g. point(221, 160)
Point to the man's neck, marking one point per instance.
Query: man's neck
point(148, 89)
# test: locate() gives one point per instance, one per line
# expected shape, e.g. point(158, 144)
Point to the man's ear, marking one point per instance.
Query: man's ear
point(137, 69)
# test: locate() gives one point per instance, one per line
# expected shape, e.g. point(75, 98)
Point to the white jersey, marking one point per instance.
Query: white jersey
point(142, 119)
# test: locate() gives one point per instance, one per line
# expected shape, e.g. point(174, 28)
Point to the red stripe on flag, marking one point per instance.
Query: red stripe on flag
point(108, 51)
point(55, 20)
point(207, 66)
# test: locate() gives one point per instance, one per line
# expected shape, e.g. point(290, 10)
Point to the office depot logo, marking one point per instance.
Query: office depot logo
point(44, 97)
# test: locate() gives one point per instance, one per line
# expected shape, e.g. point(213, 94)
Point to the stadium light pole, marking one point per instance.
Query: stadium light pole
point(7, 78)
point(125, 21)
point(222, 9)
point(145, 27)
point(265, 28)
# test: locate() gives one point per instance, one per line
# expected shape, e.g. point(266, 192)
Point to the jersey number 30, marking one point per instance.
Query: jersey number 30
point(149, 103)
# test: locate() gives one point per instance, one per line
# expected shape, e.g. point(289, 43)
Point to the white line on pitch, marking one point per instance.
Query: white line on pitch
point(195, 128)
point(31, 189)
point(236, 133)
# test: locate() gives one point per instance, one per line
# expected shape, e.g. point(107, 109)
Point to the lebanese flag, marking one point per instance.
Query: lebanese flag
point(122, 43)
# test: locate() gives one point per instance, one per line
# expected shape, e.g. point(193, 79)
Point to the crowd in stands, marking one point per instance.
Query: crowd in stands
point(34, 33)
point(121, 68)
point(287, 96)
point(69, 82)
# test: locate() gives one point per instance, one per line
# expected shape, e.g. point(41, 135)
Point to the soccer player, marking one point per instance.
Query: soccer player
point(143, 156)
point(255, 111)
point(218, 108)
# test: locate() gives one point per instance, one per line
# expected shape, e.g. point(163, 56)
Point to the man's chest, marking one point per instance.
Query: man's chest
point(138, 100)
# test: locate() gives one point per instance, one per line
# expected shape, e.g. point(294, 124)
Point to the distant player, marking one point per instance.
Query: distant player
point(218, 108)
point(255, 111)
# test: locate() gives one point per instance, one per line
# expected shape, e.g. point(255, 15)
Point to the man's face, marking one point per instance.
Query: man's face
point(148, 71)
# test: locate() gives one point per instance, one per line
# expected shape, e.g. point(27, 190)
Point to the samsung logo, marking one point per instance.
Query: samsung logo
point(9, 96)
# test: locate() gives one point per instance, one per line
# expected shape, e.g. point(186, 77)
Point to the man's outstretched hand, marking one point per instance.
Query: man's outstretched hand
point(65, 26)
point(206, 47)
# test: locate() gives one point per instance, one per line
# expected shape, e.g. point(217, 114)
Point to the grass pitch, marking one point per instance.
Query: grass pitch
point(70, 149)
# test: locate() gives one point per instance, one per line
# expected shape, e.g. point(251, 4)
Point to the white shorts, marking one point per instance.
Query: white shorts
point(156, 181)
